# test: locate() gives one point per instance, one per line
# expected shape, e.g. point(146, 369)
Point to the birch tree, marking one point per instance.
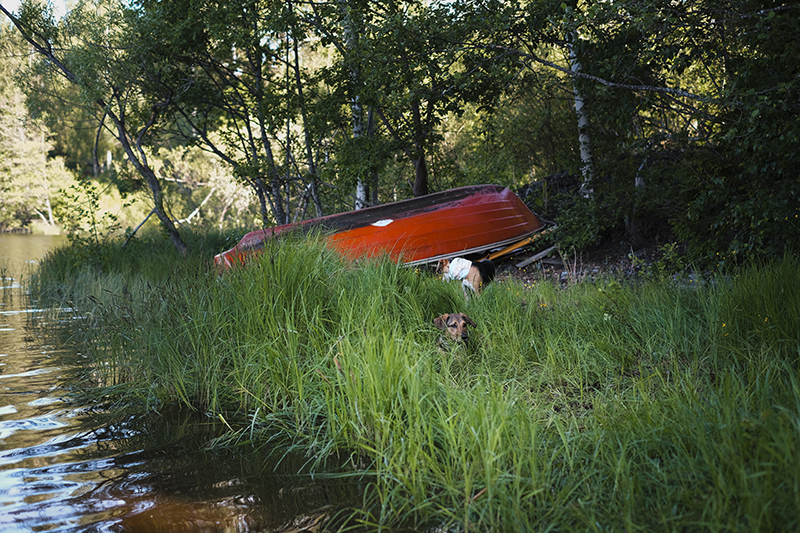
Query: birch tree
point(90, 51)
point(584, 139)
point(352, 28)
point(707, 79)
point(26, 182)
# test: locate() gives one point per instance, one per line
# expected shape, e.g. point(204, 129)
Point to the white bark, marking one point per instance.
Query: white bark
point(359, 128)
point(351, 29)
point(584, 141)
point(50, 218)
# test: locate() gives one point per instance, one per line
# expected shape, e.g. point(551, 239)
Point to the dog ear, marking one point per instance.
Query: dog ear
point(469, 321)
point(441, 321)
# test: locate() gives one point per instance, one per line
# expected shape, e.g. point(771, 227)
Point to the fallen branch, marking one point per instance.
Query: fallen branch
point(137, 228)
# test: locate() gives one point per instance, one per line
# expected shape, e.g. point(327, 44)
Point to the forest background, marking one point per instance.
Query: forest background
point(627, 121)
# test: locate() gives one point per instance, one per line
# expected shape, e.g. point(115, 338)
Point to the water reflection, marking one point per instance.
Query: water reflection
point(64, 467)
point(71, 484)
point(99, 480)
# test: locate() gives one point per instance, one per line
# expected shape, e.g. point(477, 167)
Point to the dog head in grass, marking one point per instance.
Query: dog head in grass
point(455, 328)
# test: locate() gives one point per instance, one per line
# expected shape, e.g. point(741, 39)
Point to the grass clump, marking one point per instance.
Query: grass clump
point(645, 406)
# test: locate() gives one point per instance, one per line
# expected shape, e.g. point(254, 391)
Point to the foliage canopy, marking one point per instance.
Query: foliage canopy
point(692, 106)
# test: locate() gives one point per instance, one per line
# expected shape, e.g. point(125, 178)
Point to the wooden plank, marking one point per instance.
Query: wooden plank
point(540, 255)
point(517, 245)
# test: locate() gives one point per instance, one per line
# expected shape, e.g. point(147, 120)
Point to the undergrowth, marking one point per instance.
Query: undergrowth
point(647, 406)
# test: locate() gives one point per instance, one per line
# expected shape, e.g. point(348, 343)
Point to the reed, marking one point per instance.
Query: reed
point(608, 405)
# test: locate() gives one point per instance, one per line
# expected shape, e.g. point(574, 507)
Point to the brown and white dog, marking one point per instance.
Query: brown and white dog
point(455, 328)
point(473, 275)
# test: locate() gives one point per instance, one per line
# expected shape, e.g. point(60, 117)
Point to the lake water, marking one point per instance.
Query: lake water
point(65, 467)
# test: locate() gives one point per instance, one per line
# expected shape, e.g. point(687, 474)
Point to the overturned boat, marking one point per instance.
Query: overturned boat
point(463, 221)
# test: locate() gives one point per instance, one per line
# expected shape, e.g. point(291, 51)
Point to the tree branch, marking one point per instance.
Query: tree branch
point(601, 81)
point(28, 33)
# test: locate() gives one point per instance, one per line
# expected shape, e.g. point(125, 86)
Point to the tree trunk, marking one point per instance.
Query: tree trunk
point(144, 169)
point(374, 173)
point(420, 187)
point(312, 165)
point(50, 220)
point(351, 31)
point(277, 206)
point(273, 194)
point(359, 128)
point(139, 161)
point(154, 184)
point(584, 141)
point(41, 215)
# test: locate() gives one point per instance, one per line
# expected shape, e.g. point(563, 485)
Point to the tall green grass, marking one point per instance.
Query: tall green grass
point(605, 406)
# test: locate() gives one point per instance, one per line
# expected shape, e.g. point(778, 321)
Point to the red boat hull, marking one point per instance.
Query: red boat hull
point(460, 221)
